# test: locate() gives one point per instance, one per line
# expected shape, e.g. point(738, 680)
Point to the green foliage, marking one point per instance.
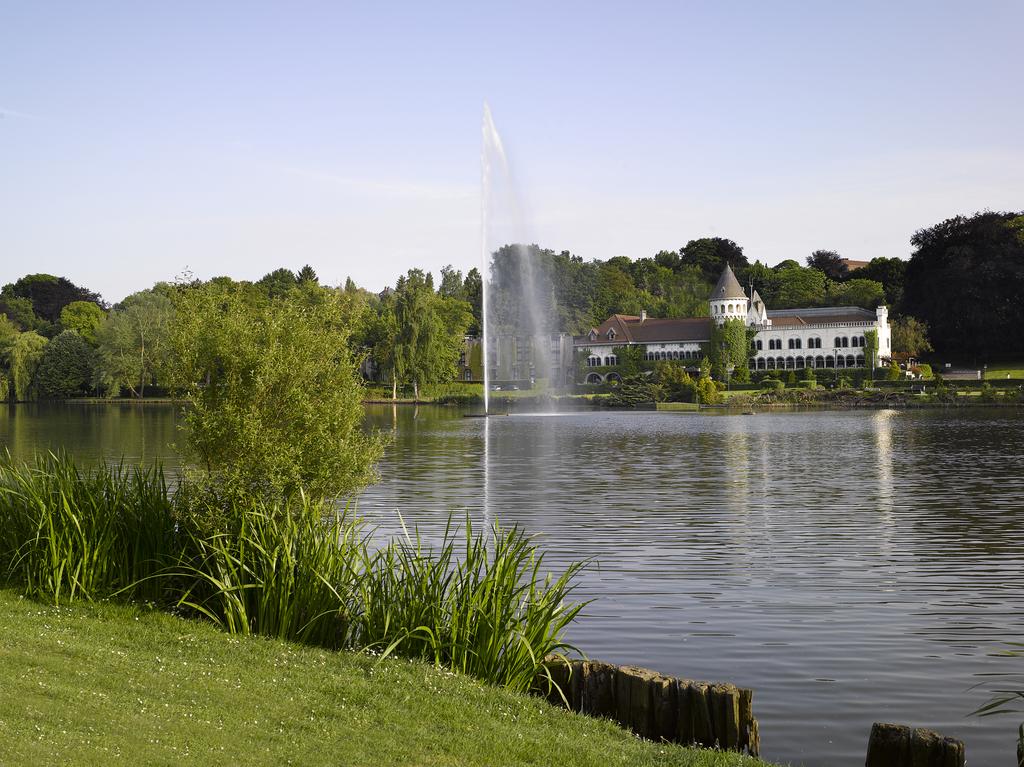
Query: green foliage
point(711, 254)
point(772, 383)
point(857, 292)
point(844, 382)
point(274, 393)
point(19, 311)
point(307, 274)
point(893, 372)
point(66, 368)
point(636, 391)
point(796, 287)
point(83, 317)
point(871, 349)
point(428, 332)
point(729, 347)
point(676, 384)
point(278, 283)
point(631, 359)
point(910, 336)
point(707, 392)
point(23, 356)
point(67, 534)
point(924, 370)
point(48, 294)
point(829, 263)
point(891, 272)
point(133, 343)
point(480, 604)
point(965, 280)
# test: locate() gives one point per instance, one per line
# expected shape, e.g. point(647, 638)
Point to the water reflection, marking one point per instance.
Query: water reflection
point(850, 567)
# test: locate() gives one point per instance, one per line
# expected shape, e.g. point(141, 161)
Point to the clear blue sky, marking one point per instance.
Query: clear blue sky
point(138, 140)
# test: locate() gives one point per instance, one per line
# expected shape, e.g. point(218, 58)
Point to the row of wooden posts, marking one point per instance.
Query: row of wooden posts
point(663, 708)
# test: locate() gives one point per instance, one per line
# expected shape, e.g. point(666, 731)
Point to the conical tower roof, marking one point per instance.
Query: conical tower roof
point(728, 286)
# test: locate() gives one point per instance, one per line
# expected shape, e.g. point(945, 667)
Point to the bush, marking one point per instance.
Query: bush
point(66, 368)
point(772, 383)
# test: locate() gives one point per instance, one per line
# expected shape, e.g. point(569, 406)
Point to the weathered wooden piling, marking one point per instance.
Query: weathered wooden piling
point(894, 745)
point(655, 706)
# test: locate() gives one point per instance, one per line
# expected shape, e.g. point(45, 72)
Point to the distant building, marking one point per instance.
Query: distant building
point(852, 266)
point(787, 339)
point(520, 359)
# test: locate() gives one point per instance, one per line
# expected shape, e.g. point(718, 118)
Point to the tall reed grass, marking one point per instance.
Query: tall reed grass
point(480, 603)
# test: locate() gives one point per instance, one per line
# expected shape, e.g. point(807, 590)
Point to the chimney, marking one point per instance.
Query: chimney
point(643, 315)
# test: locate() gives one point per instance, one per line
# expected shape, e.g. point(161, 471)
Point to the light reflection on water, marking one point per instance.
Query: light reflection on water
point(850, 567)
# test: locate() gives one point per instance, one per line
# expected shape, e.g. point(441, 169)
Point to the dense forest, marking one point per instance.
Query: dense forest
point(959, 295)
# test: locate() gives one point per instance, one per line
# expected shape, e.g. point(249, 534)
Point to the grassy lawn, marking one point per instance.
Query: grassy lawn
point(1001, 369)
point(674, 406)
point(106, 684)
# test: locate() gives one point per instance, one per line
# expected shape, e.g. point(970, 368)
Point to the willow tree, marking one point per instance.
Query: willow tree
point(133, 342)
point(23, 356)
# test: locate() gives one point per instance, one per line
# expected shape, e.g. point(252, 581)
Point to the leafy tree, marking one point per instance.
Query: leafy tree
point(677, 384)
point(891, 272)
point(83, 317)
point(307, 274)
point(23, 356)
point(910, 336)
point(19, 311)
point(892, 372)
point(49, 294)
point(133, 343)
point(473, 293)
point(273, 388)
point(965, 280)
point(711, 254)
point(66, 367)
point(278, 283)
point(451, 283)
point(430, 331)
point(829, 263)
point(798, 287)
point(857, 292)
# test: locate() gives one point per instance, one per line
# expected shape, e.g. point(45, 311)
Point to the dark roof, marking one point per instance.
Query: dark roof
point(629, 329)
point(852, 265)
point(819, 315)
point(727, 286)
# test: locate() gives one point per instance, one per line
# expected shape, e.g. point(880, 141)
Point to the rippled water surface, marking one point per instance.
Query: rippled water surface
point(850, 567)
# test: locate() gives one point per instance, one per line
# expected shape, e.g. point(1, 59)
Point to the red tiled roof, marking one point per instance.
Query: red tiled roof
point(629, 329)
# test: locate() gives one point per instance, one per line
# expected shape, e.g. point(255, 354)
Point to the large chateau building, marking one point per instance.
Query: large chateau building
point(786, 339)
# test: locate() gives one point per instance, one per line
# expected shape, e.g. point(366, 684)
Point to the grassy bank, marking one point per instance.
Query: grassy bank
point(101, 684)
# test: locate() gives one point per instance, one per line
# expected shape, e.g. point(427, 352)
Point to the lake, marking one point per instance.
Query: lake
point(849, 567)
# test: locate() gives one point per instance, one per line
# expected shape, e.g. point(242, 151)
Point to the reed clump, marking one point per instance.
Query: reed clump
point(480, 602)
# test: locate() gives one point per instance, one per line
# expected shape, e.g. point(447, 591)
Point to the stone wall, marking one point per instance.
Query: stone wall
point(656, 707)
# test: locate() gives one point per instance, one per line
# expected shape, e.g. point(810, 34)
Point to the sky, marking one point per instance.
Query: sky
point(144, 141)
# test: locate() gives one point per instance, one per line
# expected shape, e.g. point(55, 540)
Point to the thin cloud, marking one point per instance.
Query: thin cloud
point(5, 113)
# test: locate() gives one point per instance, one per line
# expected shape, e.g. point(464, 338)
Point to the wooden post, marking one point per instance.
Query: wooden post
point(895, 745)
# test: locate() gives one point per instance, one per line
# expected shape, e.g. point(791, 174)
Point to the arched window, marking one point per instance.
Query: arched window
point(850, 361)
point(593, 361)
point(752, 364)
point(730, 309)
point(860, 360)
point(593, 378)
point(760, 363)
point(790, 363)
point(838, 342)
point(759, 347)
point(846, 342)
point(770, 363)
point(799, 362)
point(607, 361)
point(819, 362)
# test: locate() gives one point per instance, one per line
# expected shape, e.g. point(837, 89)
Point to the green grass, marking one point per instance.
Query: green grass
point(674, 406)
point(1002, 369)
point(107, 684)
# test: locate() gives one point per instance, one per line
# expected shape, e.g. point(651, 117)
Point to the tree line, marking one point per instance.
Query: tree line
point(958, 295)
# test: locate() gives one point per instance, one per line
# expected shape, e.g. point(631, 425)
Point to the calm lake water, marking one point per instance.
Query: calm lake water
point(850, 567)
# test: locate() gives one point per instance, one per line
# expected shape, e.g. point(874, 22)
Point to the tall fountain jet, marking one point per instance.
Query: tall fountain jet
point(517, 297)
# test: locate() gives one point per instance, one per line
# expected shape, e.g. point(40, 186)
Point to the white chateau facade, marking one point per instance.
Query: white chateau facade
point(786, 339)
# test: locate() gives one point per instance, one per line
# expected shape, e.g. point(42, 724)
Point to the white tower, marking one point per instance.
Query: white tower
point(728, 301)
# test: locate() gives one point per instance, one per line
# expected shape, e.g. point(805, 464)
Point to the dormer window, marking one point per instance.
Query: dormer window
point(611, 334)
point(593, 335)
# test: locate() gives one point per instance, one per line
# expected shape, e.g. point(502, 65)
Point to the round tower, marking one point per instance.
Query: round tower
point(728, 301)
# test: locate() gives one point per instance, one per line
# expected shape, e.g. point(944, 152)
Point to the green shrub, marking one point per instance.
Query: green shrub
point(66, 368)
point(772, 383)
